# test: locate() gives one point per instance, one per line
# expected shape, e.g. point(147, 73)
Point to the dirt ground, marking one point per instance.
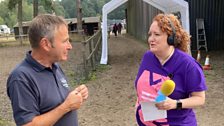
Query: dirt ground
point(112, 95)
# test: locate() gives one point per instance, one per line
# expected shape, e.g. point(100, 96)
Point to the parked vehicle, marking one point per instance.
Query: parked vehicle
point(4, 29)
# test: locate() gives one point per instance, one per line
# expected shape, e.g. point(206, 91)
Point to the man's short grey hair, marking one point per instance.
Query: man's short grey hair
point(44, 25)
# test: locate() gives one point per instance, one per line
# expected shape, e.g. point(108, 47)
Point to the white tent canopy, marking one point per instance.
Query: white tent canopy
point(167, 6)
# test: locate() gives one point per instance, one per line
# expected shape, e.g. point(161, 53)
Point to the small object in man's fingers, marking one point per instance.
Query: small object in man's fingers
point(81, 87)
point(78, 89)
point(76, 92)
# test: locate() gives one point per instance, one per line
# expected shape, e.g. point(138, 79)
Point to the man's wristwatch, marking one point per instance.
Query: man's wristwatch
point(179, 105)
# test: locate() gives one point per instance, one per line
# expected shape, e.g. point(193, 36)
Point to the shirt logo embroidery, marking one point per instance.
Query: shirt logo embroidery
point(64, 82)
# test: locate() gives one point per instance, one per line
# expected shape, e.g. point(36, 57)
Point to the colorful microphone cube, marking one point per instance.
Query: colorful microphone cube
point(166, 89)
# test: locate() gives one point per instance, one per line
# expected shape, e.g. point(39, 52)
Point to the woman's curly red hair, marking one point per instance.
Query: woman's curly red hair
point(182, 38)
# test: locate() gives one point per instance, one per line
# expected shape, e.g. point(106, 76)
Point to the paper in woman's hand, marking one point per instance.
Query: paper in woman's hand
point(150, 111)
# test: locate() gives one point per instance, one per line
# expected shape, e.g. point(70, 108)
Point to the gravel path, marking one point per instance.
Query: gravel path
point(112, 95)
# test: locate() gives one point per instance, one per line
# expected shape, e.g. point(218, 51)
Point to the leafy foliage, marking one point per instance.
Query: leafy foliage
point(7, 16)
point(118, 13)
point(48, 5)
point(1, 21)
point(91, 8)
point(65, 8)
point(69, 7)
point(12, 4)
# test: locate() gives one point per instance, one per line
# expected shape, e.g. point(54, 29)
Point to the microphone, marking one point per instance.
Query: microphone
point(166, 89)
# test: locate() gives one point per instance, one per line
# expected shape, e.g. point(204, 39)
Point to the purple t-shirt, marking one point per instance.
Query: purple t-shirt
point(184, 71)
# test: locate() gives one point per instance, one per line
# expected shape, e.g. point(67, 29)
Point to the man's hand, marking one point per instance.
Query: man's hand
point(73, 101)
point(83, 90)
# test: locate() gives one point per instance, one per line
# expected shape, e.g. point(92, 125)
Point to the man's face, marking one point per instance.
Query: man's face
point(61, 44)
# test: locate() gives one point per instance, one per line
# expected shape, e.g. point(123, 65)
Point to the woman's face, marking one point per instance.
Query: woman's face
point(157, 39)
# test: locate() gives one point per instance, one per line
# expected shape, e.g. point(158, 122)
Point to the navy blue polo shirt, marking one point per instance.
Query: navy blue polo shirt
point(34, 90)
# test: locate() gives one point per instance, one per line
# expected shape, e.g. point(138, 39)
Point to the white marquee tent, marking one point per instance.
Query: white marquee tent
point(167, 6)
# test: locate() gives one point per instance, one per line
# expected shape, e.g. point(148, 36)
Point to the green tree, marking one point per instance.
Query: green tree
point(59, 9)
point(88, 8)
point(118, 13)
point(8, 17)
point(1, 21)
point(11, 21)
point(27, 12)
point(48, 5)
point(41, 10)
point(69, 7)
point(11, 5)
point(26, 8)
point(35, 7)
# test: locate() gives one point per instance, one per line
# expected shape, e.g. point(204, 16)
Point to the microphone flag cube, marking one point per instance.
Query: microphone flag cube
point(166, 89)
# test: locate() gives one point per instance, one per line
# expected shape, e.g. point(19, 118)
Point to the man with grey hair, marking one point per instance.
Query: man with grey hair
point(37, 87)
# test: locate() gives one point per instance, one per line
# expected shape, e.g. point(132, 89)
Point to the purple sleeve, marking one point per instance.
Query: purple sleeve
point(195, 79)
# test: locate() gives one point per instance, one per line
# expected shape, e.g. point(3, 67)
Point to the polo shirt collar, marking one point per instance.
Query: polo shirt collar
point(36, 65)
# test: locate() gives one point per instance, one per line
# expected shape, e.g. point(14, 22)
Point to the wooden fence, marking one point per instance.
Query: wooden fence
point(91, 52)
point(11, 39)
